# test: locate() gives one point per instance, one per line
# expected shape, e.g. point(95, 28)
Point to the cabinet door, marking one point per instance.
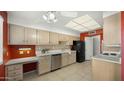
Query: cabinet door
point(42, 37)
point(44, 64)
point(110, 71)
point(63, 37)
point(72, 58)
point(30, 36)
point(65, 59)
point(112, 30)
point(16, 35)
point(70, 41)
point(54, 38)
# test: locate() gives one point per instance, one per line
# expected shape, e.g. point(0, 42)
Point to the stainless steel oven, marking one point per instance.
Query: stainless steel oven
point(55, 61)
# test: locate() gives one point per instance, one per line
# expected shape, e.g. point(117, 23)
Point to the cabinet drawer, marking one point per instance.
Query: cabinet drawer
point(18, 77)
point(14, 73)
point(14, 67)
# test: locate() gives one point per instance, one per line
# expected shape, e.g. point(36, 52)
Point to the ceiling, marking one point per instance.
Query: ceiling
point(34, 19)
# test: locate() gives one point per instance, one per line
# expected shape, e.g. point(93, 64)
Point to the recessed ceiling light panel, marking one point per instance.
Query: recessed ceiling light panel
point(82, 19)
point(90, 23)
point(71, 24)
point(83, 23)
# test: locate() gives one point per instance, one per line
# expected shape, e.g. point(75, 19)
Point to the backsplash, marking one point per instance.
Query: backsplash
point(53, 47)
point(18, 52)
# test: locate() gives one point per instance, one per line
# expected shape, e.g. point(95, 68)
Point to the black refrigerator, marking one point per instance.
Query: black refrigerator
point(79, 46)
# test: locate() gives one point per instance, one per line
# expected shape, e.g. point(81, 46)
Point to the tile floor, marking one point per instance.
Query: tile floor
point(74, 72)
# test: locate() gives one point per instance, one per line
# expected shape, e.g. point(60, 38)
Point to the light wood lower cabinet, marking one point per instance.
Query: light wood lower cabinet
point(65, 59)
point(14, 72)
point(68, 58)
point(105, 71)
point(44, 64)
point(72, 57)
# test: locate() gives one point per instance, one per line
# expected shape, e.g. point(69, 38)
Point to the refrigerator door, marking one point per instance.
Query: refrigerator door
point(96, 45)
point(88, 48)
point(80, 50)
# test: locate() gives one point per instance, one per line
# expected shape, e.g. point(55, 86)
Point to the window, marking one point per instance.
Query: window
point(1, 40)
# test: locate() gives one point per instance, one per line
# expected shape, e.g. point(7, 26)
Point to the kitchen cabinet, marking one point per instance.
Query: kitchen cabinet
point(65, 60)
point(112, 30)
point(105, 71)
point(30, 36)
point(16, 34)
point(63, 37)
point(72, 57)
point(44, 64)
point(70, 41)
point(42, 37)
point(21, 35)
point(54, 37)
point(14, 72)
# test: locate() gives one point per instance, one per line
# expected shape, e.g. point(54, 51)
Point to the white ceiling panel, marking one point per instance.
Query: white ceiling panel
point(83, 30)
point(71, 24)
point(79, 27)
point(90, 23)
point(82, 19)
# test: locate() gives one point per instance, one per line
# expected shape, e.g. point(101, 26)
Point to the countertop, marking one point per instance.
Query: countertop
point(22, 60)
point(107, 58)
point(31, 59)
point(53, 53)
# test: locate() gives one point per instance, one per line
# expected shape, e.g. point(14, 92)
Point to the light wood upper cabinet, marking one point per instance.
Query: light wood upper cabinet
point(20, 35)
point(70, 41)
point(112, 29)
point(63, 37)
point(42, 37)
point(54, 38)
point(30, 36)
point(16, 34)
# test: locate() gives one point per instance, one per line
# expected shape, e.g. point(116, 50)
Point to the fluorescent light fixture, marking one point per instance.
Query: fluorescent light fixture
point(83, 23)
point(71, 24)
point(78, 27)
point(82, 19)
point(90, 23)
point(84, 29)
point(24, 49)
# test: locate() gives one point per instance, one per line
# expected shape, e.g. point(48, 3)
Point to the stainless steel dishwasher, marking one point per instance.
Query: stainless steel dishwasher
point(55, 61)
